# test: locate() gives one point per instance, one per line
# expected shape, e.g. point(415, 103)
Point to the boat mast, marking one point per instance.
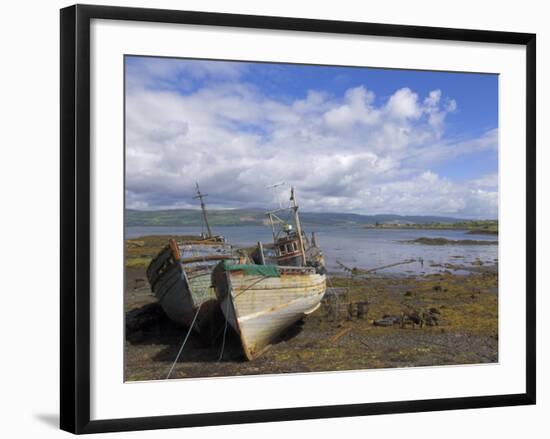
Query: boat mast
point(200, 196)
point(298, 225)
point(270, 215)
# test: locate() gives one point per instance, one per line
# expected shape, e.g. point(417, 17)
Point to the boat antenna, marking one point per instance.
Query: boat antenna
point(294, 207)
point(201, 197)
point(277, 193)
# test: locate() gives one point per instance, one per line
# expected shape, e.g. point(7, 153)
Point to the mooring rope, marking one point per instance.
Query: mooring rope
point(224, 330)
point(184, 341)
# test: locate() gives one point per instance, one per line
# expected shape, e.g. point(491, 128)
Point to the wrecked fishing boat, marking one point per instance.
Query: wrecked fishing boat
point(180, 276)
point(260, 300)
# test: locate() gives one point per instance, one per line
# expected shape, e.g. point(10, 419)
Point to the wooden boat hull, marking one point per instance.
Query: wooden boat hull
point(182, 287)
point(261, 308)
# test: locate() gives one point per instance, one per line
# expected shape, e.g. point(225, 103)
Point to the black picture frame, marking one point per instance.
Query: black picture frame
point(75, 217)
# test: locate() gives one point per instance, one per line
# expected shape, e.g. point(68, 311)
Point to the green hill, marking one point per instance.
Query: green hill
point(243, 217)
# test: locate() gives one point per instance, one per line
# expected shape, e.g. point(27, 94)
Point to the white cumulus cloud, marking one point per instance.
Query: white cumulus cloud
point(354, 152)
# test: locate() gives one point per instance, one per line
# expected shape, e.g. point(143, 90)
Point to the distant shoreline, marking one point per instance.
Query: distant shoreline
point(423, 227)
point(248, 217)
point(444, 241)
point(360, 226)
point(469, 230)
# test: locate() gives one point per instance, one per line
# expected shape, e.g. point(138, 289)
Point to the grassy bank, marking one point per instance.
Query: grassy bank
point(140, 251)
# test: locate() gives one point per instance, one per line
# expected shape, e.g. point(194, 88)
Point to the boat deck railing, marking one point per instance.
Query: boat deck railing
point(292, 270)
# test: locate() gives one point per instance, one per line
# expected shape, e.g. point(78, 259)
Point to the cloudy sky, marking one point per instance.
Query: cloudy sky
point(349, 139)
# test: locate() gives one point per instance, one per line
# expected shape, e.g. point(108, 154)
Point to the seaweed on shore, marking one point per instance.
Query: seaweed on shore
point(460, 315)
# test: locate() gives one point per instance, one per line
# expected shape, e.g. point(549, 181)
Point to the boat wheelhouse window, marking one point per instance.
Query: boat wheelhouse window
point(282, 249)
point(295, 246)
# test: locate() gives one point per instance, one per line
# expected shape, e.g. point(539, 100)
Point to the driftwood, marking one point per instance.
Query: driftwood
point(354, 271)
point(339, 335)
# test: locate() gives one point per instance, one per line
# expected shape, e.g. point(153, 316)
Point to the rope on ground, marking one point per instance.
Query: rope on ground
point(224, 330)
point(184, 341)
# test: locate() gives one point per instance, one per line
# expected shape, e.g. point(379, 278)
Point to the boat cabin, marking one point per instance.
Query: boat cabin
point(288, 249)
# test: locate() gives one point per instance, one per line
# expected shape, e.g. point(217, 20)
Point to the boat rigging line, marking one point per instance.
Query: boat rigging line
point(224, 332)
point(184, 341)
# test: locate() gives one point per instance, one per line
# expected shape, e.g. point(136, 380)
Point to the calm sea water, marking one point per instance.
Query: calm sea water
point(361, 248)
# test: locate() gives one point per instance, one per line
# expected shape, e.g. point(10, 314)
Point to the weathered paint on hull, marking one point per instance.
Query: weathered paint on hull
point(180, 289)
point(201, 285)
point(260, 309)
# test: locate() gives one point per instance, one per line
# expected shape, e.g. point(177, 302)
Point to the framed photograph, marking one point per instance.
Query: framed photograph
point(268, 218)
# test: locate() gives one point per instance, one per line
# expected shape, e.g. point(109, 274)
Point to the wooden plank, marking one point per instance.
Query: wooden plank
point(339, 334)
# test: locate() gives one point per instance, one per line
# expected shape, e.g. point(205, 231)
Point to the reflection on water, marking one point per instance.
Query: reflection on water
point(361, 248)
